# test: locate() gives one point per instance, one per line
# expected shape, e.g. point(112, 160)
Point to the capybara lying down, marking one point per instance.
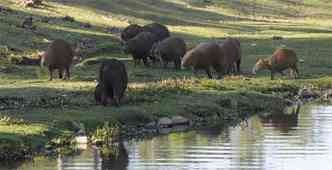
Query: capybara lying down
point(204, 56)
point(171, 49)
point(281, 60)
point(139, 47)
point(59, 55)
point(130, 32)
point(160, 31)
point(232, 53)
point(113, 80)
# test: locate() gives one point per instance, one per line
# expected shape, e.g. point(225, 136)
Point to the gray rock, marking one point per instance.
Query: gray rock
point(179, 120)
point(165, 122)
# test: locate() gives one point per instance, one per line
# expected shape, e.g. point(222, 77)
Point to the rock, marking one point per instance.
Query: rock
point(30, 3)
point(86, 25)
point(179, 120)
point(164, 122)
point(307, 93)
point(113, 30)
point(151, 125)
point(68, 18)
point(327, 95)
point(277, 38)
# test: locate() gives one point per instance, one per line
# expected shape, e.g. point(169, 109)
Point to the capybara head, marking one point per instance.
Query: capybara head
point(187, 60)
point(261, 64)
point(155, 52)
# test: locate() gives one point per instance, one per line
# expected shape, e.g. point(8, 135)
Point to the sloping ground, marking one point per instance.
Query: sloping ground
point(26, 94)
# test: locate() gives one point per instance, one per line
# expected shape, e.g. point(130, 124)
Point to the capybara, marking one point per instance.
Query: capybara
point(170, 49)
point(139, 47)
point(157, 29)
point(232, 54)
point(204, 56)
point(113, 80)
point(281, 60)
point(59, 55)
point(130, 32)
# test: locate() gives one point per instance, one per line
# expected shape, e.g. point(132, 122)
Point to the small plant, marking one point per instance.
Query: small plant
point(106, 135)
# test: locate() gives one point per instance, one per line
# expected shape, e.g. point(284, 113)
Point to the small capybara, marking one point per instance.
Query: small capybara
point(170, 49)
point(113, 80)
point(204, 56)
point(139, 47)
point(281, 60)
point(130, 32)
point(59, 55)
point(232, 55)
point(160, 31)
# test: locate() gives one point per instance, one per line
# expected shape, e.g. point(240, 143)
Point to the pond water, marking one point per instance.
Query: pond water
point(302, 142)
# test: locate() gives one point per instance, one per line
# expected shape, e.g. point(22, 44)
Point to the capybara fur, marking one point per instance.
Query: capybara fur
point(281, 60)
point(139, 47)
point(157, 29)
point(232, 54)
point(130, 32)
point(113, 80)
point(204, 56)
point(171, 49)
point(59, 55)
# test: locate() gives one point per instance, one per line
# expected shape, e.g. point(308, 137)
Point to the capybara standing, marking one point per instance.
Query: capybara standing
point(130, 32)
point(113, 80)
point(171, 49)
point(160, 31)
point(59, 55)
point(139, 47)
point(204, 56)
point(232, 53)
point(281, 60)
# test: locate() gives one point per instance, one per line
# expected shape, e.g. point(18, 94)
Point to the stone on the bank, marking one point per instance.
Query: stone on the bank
point(165, 122)
point(179, 120)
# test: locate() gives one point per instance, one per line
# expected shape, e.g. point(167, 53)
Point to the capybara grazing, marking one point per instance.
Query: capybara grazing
point(204, 56)
point(113, 80)
point(232, 53)
point(59, 55)
point(160, 31)
point(170, 49)
point(139, 47)
point(130, 32)
point(281, 60)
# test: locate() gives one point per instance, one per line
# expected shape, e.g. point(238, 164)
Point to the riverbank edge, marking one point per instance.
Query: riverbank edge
point(273, 103)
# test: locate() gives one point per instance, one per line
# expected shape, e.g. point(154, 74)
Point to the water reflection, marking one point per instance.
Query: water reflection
point(296, 142)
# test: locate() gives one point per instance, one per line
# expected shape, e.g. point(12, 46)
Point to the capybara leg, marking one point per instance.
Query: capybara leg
point(177, 64)
point(145, 61)
point(165, 63)
point(238, 68)
point(208, 72)
point(220, 71)
point(67, 75)
point(50, 70)
point(60, 73)
point(195, 71)
point(296, 71)
point(272, 75)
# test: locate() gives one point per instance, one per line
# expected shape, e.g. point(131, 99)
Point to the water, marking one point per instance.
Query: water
point(283, 142)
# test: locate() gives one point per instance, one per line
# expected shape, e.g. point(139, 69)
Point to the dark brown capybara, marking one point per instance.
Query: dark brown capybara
point(281, 60)
point(204, 56)
point(113, 80)
point(139, 47)
point(130, 32)
point(171, 49)
point(232, 55)
point(59, 55)
point(160, 31)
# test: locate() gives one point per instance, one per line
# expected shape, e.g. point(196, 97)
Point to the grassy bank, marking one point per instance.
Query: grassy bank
point(34, 110)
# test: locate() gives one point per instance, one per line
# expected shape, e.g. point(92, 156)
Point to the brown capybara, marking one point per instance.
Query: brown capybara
point(59, 55)
point(232, 55)
point(160, 31)
point(204, 56)
point(170, 49)
point(113, 80)
point(281, 60)
point(130, 32)
point(139, 47)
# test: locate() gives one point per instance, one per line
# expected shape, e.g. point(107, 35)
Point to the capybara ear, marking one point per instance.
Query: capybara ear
point(257, 59)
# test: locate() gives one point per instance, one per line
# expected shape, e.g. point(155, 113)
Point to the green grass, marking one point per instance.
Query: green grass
point(153, 92)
